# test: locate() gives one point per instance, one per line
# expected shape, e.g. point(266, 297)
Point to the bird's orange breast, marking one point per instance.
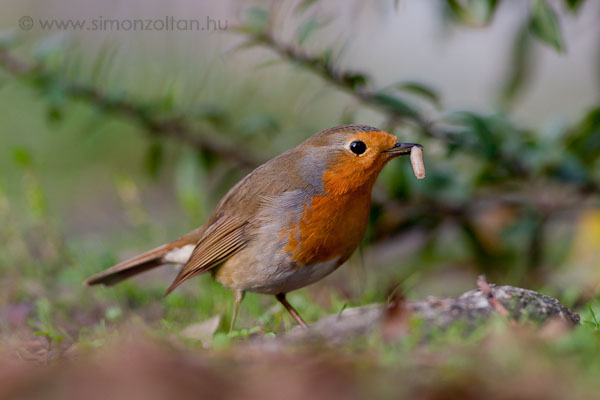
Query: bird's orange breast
point(332, 225)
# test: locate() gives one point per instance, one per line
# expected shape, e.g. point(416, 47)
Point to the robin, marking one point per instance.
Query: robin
point(287, 224)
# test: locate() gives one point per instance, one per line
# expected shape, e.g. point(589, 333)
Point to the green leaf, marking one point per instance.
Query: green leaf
point(420, 90)
point(355, 79)
point(571, 169)
point(103, 62)
point(584, 141)
point(154, 159)
point(326, 57)
point(256, 20)
point(57, 100)
point(395, 105)
point(54, 113)
point(479, 131)
point(304, 5)
point(545, 25)
point(574, 5)
point(474, 13)
point(306, 29)
point(216, 115)
point(22, 157)
point(595, 323)
point(52, 336)
point(247, 44)
point(455, 10)
point(519, 68)
point(483, 10)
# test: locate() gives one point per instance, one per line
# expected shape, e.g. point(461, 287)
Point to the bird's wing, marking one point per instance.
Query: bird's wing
point(228, 230)
point(225, 237)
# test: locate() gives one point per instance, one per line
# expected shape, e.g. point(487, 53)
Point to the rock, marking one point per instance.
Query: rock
point(471, 308)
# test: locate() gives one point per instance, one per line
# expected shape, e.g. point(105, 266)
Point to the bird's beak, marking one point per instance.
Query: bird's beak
point(401, 149)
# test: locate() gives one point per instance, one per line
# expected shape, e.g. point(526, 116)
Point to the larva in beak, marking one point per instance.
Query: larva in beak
point(416, 160)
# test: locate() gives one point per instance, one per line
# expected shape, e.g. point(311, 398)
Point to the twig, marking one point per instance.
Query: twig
point(343, 80)
point(337, 77)
point(487, 291)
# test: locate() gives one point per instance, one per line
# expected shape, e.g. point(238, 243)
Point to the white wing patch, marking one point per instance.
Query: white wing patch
point(180, 255)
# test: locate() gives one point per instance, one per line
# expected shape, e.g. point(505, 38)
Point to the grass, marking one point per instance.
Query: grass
point(99, 321)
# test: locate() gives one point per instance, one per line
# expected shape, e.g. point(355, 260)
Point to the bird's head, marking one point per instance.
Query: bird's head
point(355, 155)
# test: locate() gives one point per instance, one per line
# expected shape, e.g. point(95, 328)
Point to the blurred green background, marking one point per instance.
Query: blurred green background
point(114, 141)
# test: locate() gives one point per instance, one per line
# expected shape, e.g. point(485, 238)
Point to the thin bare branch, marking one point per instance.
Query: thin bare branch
point(174, 128)
point(487, 291)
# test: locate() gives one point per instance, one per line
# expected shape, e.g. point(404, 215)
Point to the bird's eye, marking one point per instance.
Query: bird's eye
point(358, 147)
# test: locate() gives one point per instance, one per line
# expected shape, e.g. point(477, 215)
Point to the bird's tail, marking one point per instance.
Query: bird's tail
point(133, 266)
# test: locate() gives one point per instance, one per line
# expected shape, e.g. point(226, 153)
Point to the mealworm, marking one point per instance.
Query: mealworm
point(416, 160)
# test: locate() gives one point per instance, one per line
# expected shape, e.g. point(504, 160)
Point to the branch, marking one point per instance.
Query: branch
point(354, 83)
point(143, 114)
point(349, 82)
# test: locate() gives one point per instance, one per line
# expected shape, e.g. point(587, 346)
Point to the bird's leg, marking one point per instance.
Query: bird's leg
point(291, 310)
point(238, 296)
